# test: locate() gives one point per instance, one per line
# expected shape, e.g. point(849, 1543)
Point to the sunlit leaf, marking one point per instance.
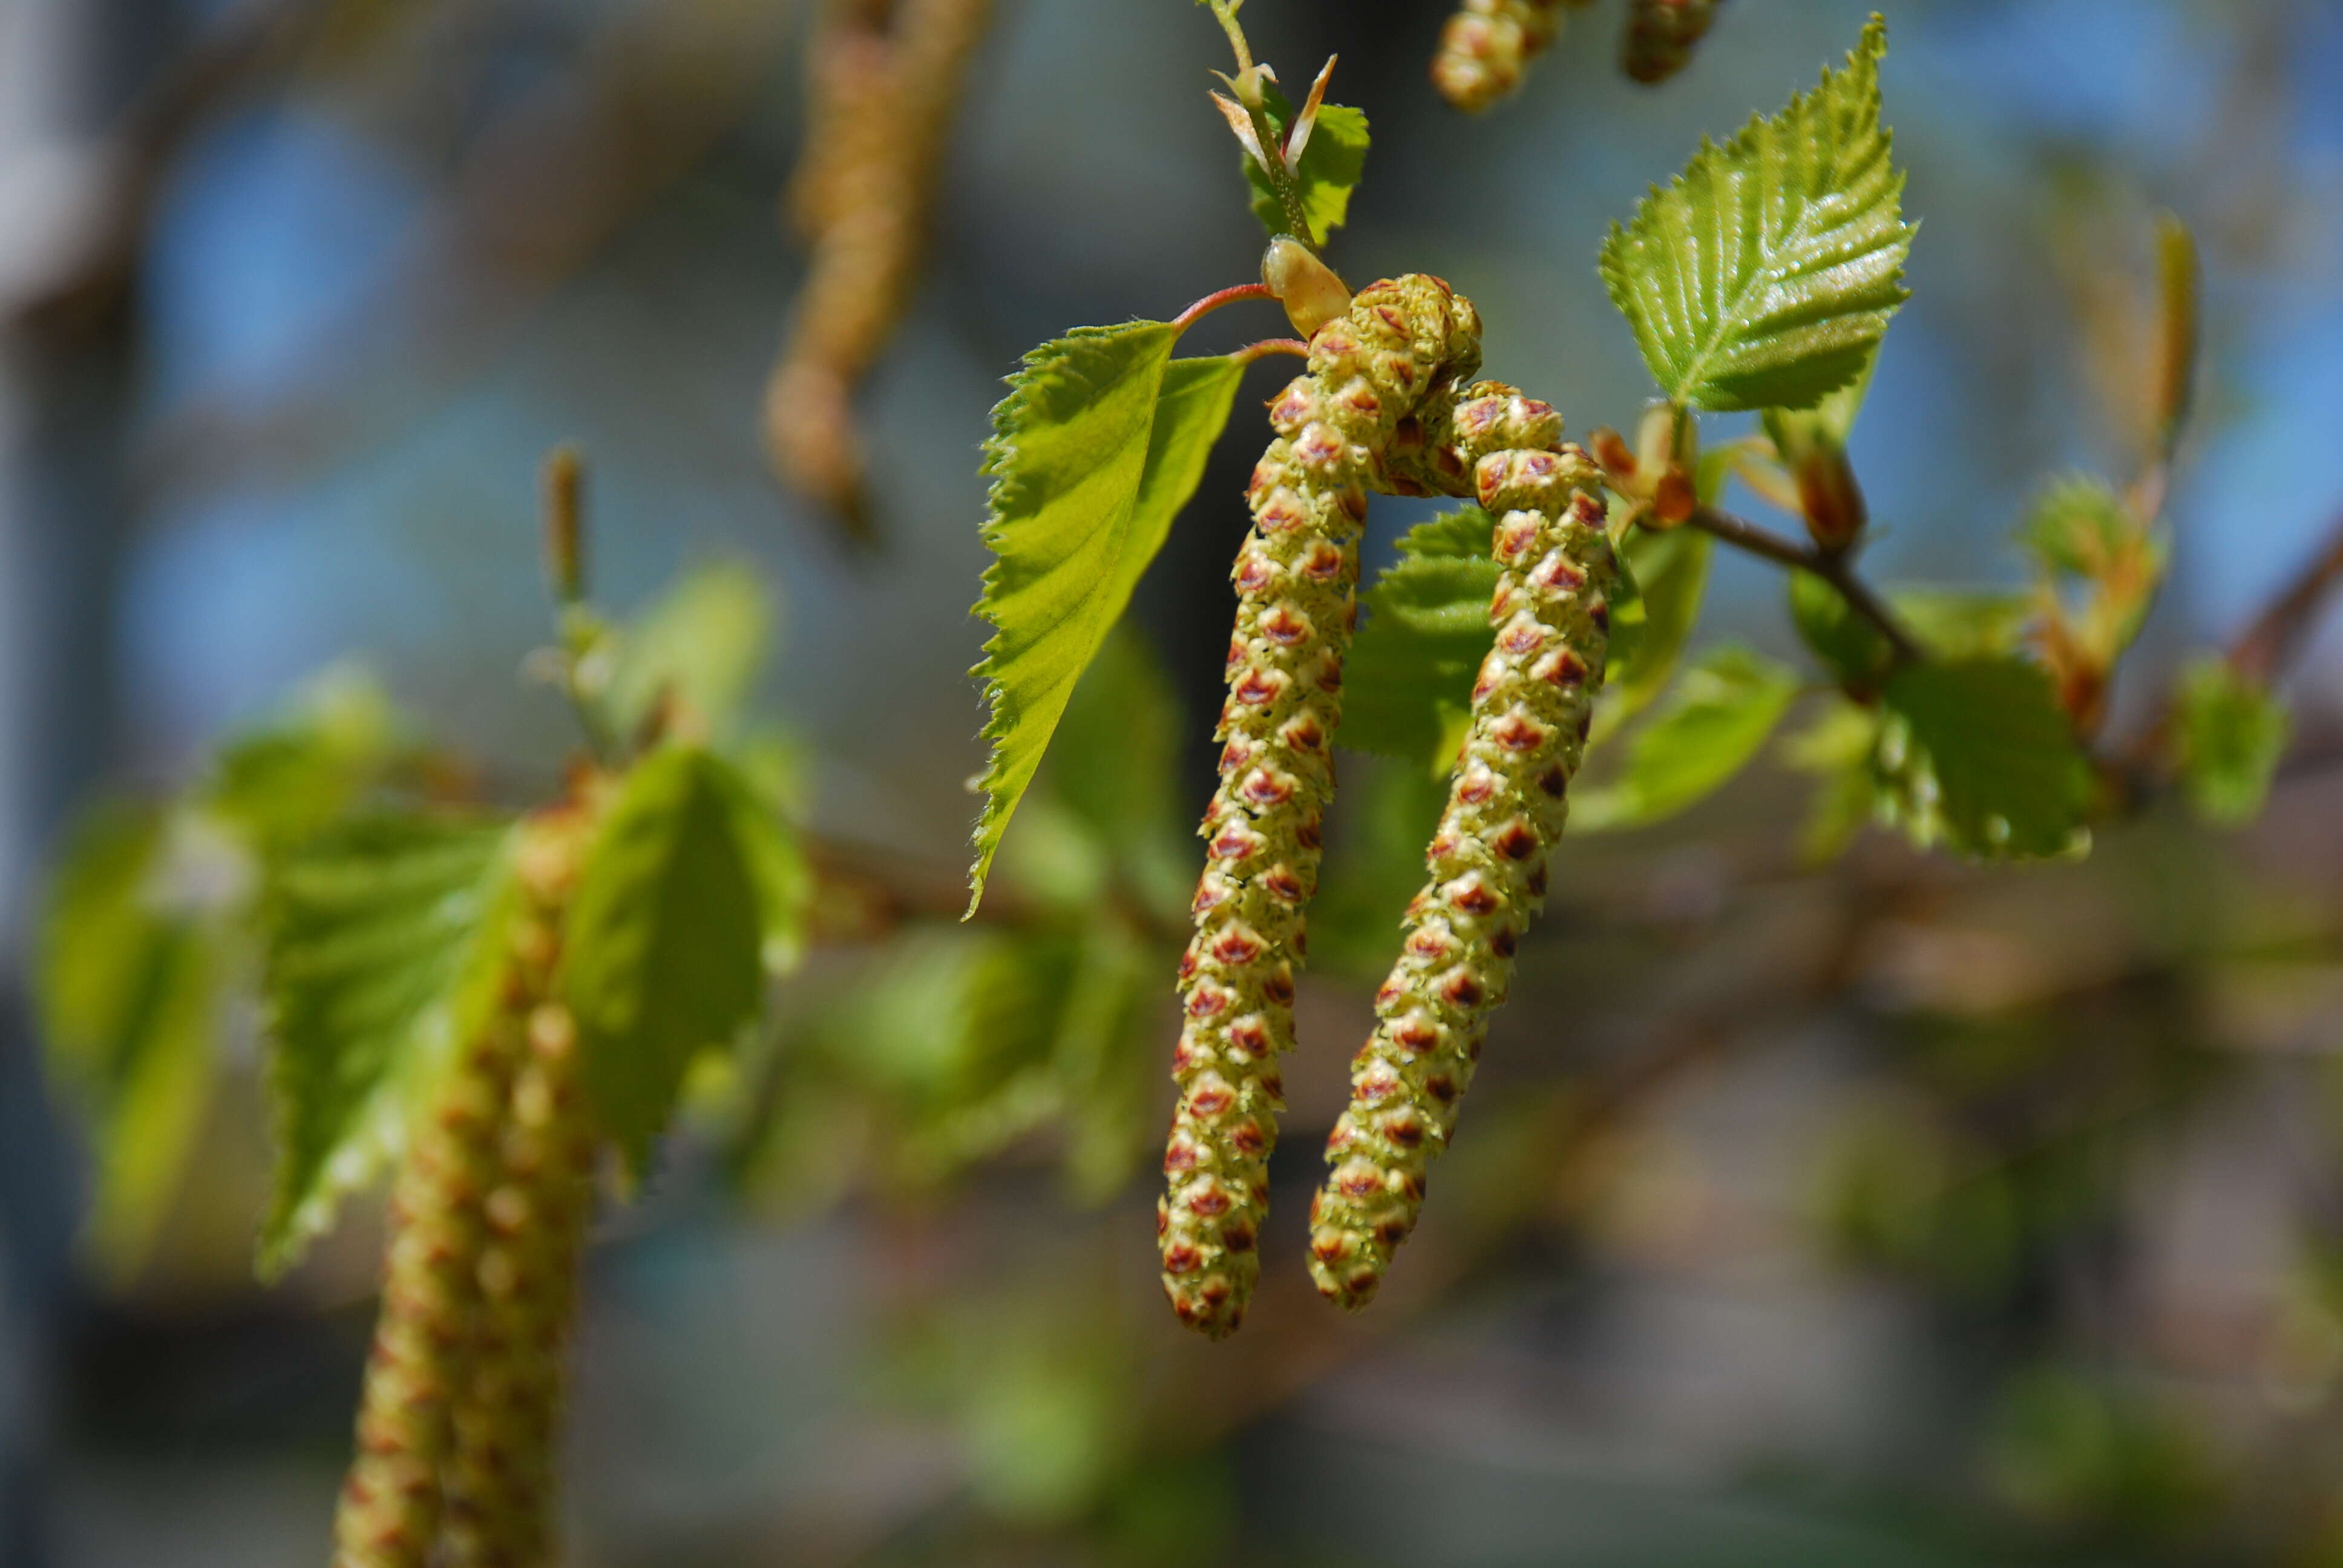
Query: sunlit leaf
point(671, 915)
point(1765, 276)
point(372, 930)
point(2230, 733)
point(1977, 755)
point(278, 785)
point(1715, 719)
point(1330, 167)
point(1088, 473)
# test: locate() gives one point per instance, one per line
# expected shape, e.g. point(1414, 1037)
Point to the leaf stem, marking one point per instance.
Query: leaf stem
point(1836, 567)
point(1269, 346)
point(1213, 301)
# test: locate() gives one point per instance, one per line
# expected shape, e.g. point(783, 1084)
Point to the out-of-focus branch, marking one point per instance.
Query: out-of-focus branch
point(1834, 566)
point(883, 81)
point(2270, 642)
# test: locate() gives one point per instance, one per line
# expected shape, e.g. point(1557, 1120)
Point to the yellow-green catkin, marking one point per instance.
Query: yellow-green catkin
point(502, 1476)
point(1660, 36)
point(1507, 798)
point(1488, 45)
point(883, 81)
point(1370, 369)
point(392, 1502)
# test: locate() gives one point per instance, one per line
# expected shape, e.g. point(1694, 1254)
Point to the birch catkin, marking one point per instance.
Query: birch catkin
point(1507, 799)
point(1488, 44)
point(501, 1478)
point(1660, 36)
point(1370, 369)
point(391, 1503)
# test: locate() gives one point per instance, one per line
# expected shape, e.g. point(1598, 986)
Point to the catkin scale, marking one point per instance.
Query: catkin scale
point(1508, 796)
point(1400, 343)
point(501, 1476)
point(1487, 44)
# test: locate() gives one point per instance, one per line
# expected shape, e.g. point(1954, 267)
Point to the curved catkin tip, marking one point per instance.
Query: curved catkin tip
point(1487, 44)
point(1507, 798)
point(1398, 344)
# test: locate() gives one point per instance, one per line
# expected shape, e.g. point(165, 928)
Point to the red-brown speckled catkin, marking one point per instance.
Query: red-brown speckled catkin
point(1660, 36)
point(1507, 799)
point(1488, 44)
point(1402, 342)
point(502, 1478)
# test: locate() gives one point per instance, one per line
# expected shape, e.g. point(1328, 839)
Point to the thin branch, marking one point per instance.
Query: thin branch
point(1217, 298)
point(1269, 346)
point(2277, 635)
point(1836, 567)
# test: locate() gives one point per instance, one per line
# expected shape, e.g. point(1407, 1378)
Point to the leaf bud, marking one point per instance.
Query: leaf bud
point(1308, 289)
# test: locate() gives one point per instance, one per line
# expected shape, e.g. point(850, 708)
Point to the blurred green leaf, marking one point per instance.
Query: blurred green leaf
point(1330, 168)
point(2230, 733)
point(1837, 747)
point(278, 785)
point(700, 645)
point(1410, 675)
point(1765, 276)
point(671, 914)
point(2077, 525)
point(1715, 719)
point(1670, 571)
point(1113, 766)
point(128, 983)
point(371, 931)
point(1098, 444)
point(1849, 646)
point(1955, 623)
point(1977, 755)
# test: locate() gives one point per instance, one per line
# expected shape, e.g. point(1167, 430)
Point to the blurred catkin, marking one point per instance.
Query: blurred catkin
point(884, 78)
point(1507, 799)
point(1296, 577)
point(391, 1502)
point(1487, 45)
point(1660, 36)
point(502, 1476)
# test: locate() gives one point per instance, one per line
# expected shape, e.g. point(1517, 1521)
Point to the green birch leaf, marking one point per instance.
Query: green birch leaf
point(1087, 478)
point(1766, 274)
point(127, 979)
point(1976, 755)
point(671, 916)
point(1670, 570)
point(1408, 679)
point(1827, 424)
point(280, 784)
point(1836, 749)
point(1850, 647)
point(1330, 168)
point(2230, 733)
point(374, 933)
point(1715, 719)
point(1955, 623)
point(2077, 526)
point(700, 645)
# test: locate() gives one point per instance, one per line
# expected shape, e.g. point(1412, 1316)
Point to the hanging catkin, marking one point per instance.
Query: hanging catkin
point(880, 92)
point(1400, 343)
point(391, 1502)
point(1660, 36)
point(1507, 798)
point(501, 1479)
point(1488, 44)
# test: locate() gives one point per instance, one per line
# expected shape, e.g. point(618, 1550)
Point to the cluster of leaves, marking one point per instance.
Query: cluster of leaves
point(915, 1058)
point(348, 877)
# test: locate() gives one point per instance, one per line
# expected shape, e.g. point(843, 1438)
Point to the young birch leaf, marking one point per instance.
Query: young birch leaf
point(1331, 163)
point(665, 933)
point(1716, 718)
point(2231, 732)
point(371, 931)
point(1426, 630)
point(128, 983)
point(1977, 753)
point(1087, 478)
point(1670, 570)
point(700, 645)
point(1765, 276)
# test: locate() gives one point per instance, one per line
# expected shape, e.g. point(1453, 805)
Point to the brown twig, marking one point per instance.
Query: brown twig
point(2272, 639)
point(1836, 567)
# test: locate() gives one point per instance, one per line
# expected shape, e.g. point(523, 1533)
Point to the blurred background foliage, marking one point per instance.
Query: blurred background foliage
point(1891, 1214)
